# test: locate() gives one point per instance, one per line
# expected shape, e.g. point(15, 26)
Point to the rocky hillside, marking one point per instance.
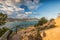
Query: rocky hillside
point(30, 33)
point(54, 33)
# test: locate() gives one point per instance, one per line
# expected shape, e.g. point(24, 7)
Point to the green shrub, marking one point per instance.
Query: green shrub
point(3, 30)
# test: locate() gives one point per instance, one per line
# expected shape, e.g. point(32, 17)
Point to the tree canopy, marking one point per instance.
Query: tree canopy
point(3, 18)
point(3, 30)
point(42, 21)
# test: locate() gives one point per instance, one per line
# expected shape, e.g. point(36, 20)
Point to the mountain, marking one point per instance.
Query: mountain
point(22, 19)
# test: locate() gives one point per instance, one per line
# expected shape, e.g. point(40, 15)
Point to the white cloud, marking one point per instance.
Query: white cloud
point(21, 16)
point(12, 7)
point(19, 9)
point(28, 12)
point(37, 17)
point(32, 5)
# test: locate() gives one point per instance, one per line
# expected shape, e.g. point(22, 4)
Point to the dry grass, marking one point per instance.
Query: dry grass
point(54, 33)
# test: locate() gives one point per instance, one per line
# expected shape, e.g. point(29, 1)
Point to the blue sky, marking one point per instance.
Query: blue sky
point(30, 8)
point(49, 9)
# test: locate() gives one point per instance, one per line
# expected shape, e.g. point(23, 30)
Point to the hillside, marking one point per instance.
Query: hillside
point(21, 19)
point(57, 20)
point(54, 33)
point(50, 34)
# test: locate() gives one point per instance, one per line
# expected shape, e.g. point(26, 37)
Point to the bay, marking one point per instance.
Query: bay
point(23, 24)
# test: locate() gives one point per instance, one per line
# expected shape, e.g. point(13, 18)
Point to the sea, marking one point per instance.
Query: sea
point(19, 25)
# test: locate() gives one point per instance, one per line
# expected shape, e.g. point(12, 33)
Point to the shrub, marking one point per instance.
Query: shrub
point(3, 30)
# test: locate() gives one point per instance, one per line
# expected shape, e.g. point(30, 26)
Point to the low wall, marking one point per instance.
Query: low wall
point(4, 36)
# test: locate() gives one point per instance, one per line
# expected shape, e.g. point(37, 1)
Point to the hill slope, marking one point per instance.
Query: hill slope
point(52, 34)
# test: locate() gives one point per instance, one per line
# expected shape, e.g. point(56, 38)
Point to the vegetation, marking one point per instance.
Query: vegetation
point(30, 37)
point(3, 30)
point(52, 24)
point(3, 18)
point(38, 27)
point(42, 21)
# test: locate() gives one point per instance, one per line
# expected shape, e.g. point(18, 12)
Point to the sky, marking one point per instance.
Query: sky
point(30, 8)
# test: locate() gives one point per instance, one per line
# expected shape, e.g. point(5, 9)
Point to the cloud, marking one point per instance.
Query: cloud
point(10, 2)
point(21, 16)
point(12, 7)
point(32, 5)
point(25, 15)
point(28, 12)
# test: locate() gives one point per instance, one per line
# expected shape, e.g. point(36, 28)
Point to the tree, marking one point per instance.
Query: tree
point(3, 30)
point(52, 19)
point(38, 36)
point(52, 22)
point(42, 21)
point(3, 18)
point(39, 27)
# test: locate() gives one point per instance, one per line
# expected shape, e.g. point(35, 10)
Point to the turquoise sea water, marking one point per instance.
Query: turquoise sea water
point(23, 24)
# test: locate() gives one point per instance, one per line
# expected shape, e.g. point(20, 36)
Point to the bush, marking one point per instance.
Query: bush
point(38, 36)
point(3, 18)
point(3, 30)
point(38, 27)
point(51, 26)
point(42, 21)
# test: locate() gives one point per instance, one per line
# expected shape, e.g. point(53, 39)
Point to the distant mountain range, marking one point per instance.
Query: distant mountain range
point(22, 19)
